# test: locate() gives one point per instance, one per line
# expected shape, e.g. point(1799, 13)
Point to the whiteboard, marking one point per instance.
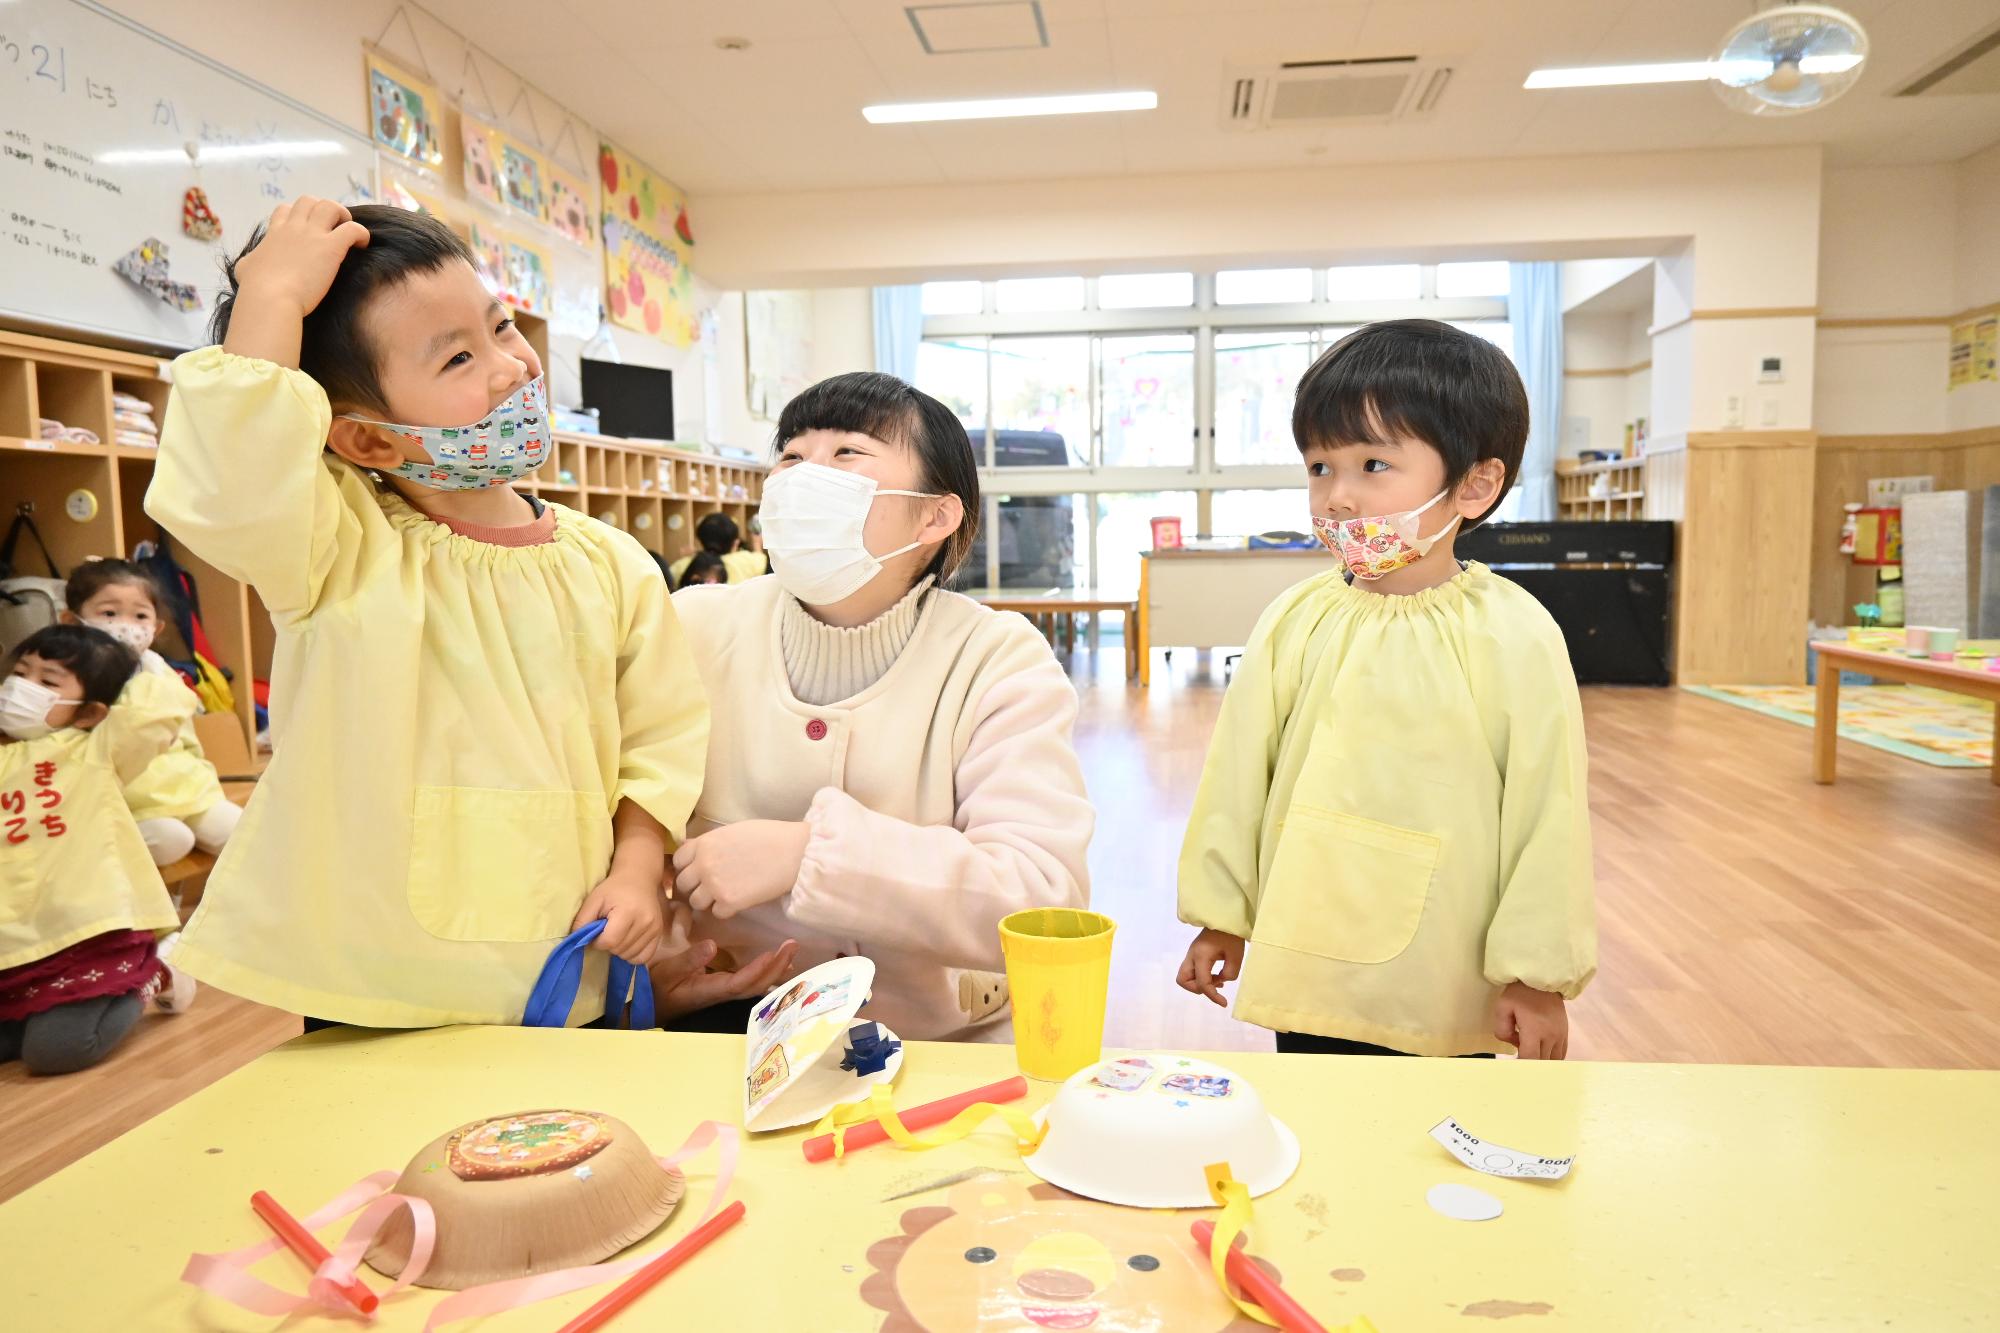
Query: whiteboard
point(97, 116)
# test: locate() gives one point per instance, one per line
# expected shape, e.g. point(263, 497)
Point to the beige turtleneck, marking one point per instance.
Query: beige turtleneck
point(826, 663)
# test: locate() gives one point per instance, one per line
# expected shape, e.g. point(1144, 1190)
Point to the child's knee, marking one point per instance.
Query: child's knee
point(167, 839)
point(213, 826)
point(76, 1036)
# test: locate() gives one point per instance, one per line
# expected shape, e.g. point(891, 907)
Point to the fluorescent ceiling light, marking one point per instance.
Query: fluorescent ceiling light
point(232, 152)
point(1001, 108)
point(1684, 71)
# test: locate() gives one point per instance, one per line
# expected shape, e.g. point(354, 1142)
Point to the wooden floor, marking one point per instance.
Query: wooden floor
point(1746, 915)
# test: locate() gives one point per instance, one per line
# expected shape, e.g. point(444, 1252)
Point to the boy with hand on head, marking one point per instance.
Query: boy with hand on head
point(486, 727)
point(1394, 810)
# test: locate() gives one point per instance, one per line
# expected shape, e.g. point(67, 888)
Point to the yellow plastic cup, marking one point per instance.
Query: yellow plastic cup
point(1059, 976)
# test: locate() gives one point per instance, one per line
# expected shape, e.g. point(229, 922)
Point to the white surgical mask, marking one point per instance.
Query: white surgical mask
point(25, 706)
point(132, 633)
point(814, 518)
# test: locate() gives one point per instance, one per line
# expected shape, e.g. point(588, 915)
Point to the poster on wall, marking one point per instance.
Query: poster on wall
point(1986, 349)
point(527, 272)
point(648, 250)
point(521, 172)
point(404, 113)
point(572, 207)
point(777, 335)
point(1961, 355)
point(482, 158)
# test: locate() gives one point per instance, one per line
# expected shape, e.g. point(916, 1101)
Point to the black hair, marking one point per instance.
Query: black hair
point(717, 533)
point(704, 562)
point(100, 663)
point(94, 576)
point(1417, 379)
point(870, 403)
point(333, 349)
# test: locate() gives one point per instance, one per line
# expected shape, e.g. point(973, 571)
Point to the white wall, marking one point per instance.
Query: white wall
point(1585, 278)
point(1977, 275)
point(1886, 242)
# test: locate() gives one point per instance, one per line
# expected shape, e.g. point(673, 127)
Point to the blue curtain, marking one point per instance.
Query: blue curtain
point(1534, 308)
point(899, 330)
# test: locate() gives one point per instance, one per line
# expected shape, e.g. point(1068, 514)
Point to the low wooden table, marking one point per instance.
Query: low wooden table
point(1054, 611)
point(1719, 1198)
point(1836, 657)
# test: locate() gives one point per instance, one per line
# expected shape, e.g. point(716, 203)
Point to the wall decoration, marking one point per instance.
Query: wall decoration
point(573, 207)
point(527, 278)
point(649, 281)
point(521, 178)
point(403, 114)
point(482, 160)
point(146, 268)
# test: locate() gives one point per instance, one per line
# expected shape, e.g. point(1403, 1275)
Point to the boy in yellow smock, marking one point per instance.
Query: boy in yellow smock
point(485, 724)
point(81, 904)
point(1394, 811)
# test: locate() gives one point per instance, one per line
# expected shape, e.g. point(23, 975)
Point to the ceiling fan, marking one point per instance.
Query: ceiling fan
point(1781, 62)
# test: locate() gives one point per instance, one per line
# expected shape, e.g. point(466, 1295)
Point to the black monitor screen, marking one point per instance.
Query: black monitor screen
point(635, 401)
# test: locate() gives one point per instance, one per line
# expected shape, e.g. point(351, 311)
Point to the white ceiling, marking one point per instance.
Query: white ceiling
point(786, 113)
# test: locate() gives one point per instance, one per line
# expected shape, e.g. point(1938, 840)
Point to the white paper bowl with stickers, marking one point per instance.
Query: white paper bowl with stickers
point(1139, 1131)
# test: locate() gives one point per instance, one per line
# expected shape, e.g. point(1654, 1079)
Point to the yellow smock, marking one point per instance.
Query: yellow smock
point(72, 863)
point(181, 783)
point(453, 722)
point(741, 566)
point(1394, 812)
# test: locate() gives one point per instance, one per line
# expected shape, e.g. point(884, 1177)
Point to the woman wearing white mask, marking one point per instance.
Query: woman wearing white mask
point(889, 765)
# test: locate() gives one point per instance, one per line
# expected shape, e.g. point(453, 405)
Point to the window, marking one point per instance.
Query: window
point(1125, 529)
point(1485, 278)
point(1263, 286)
point(1375, 282)
point(1140, 291)
point(1256, 375)
point(1034, 295)
point(1041, 400)
point(1247, 513)
point(1148, 399)
point(1044, 543)
point(953, 370)
point(953, 298)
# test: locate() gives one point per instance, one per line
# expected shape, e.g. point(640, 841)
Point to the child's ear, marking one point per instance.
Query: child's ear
point(363, 445)
point(67, 617)
point(89, 715)
point(1480, 490)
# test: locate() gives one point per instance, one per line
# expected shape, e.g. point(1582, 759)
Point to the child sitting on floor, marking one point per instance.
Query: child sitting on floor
point(81, 904)
point(485, 724)
point(1393, 813)
point(178, 800)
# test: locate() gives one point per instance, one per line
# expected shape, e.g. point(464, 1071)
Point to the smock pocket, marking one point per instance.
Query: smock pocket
point(1345, 888)
point(510, 866)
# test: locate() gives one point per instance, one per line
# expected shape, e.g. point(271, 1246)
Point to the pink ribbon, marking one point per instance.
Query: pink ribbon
point(227, 1275)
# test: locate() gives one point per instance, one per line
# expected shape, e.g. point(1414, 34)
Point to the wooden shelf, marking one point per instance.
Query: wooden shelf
point(1575, 482)
point(53, 448)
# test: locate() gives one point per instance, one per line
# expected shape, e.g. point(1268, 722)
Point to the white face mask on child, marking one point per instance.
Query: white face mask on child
point(25, 706)
point(132, 633)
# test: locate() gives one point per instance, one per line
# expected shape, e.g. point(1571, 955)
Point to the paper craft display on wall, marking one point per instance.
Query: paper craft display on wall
point(403, 114)
point(482, 161)
point(527, 275)
point(145, 267)
point(572, 207)
point(521, 180)
point(648, 250)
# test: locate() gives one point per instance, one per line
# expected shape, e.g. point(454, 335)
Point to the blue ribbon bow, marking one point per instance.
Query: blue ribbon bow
point(555, 989)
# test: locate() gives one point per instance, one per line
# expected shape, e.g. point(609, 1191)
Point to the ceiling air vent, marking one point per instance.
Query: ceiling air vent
point(1333, 92)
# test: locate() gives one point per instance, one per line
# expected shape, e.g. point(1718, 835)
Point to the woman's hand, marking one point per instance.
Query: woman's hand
point(682, 982)
point(1532, 1021)
point(1214, 959)
point(634, 916)
point(733, 868)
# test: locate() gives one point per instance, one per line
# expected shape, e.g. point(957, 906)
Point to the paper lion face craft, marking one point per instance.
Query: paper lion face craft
point(529, 1193)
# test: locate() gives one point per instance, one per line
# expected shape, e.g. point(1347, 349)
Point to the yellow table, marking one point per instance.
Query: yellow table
point(1706, 1198)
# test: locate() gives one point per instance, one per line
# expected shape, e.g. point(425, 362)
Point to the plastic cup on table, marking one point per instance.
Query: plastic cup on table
point(1059, 977)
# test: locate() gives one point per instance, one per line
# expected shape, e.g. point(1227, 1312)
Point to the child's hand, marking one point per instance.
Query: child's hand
point(634, 920)
point(1214, 958)
point(1534, 1022)
point(683, 984)
point(303, 246)
point(735, 867)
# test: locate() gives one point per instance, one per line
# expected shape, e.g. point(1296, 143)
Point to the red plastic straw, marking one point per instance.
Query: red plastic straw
point(1259, 1285)
point(632, 1288)
point(918, 1117)
point(305, 1245)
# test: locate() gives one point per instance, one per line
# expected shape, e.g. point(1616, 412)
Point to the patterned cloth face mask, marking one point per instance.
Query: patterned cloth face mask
point(507, 444)
point(1383, 544)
